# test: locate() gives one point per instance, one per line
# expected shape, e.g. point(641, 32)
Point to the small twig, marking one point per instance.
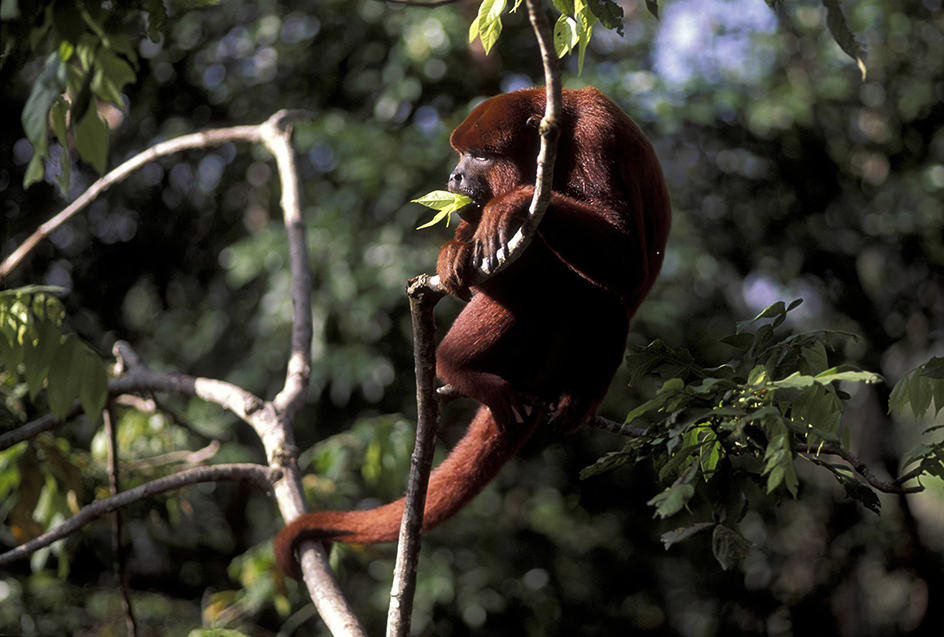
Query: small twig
point(153, 404)
point(262, 476)
point(911, 475)
point(278, 140)
point(861, 468)
point(36, 427)
point(184, 456)
point(616, 427)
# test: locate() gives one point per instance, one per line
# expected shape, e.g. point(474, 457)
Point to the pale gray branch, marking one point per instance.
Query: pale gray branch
point(262, 476)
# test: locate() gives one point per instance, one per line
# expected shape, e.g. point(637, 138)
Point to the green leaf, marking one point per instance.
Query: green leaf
point(58, 114)
point(844, 373)
point(649, 405)
point(815, 356)
point(39, 357)
point(111, 75)
point(91, 140)
point(681, 534)
point(585, 22)
point(48, 86)
point(611, 14)
point(863, 494)
point(672, 500)
point(565, 35)
point(487, 24)
point(919, 395)
point(676, 461)
point(710, 453)
point(94, 391)
point(446, 202)
point(35, 170)
point(769, 311)
point(741, 341)
point(779, 469)
point(899, 395)
point(609, 462)
point(836, 22)
point(65, 377)
point(729, 546)
point(934, 368)
point(794, 381)
point(653, 7)
point(565, 6)
point(157, 14)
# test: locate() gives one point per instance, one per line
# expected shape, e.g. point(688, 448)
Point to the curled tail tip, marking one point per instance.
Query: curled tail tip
point(284, 549)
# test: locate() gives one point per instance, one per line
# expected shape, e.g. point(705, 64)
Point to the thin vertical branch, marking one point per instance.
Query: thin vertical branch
point(278, 140)
point(422, 303)
point(114, 486)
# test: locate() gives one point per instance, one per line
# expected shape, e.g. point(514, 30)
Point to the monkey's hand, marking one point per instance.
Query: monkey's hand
point(501, 218)
point(453, 266)
point(511, 409)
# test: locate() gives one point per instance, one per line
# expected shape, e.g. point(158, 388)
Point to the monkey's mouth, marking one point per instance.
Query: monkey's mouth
point(477, 195)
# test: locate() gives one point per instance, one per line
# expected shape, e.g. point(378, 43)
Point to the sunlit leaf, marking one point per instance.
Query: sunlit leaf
point(445, 202)
point(487, 24)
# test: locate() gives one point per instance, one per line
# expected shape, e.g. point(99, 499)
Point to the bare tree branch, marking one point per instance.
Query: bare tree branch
point(264, 477)
point(292, 397)
point(271, 420)
point(203, 139)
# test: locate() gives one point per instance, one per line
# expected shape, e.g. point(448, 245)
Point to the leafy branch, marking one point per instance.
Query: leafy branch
point(724, 431)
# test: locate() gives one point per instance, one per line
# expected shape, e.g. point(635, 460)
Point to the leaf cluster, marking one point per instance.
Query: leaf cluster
point(917, 390)
point(37, 354)
point(572, 29)
point(93, 59)
point(722, 432)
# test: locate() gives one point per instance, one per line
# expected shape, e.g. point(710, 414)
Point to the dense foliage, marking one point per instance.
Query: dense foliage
point(791, 177)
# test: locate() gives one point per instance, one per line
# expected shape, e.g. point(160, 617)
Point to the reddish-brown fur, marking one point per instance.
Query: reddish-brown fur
point(547, 334)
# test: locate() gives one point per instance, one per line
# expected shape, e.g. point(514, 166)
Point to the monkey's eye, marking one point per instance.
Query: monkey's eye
point(479, 157)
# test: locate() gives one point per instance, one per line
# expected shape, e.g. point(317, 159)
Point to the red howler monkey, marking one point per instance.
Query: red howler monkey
point(546, 334)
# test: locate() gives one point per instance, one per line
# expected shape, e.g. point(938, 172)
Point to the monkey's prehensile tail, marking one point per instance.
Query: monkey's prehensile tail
point(474, 461)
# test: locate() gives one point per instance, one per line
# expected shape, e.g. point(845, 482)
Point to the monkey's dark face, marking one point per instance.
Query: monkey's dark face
point(470, 177)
